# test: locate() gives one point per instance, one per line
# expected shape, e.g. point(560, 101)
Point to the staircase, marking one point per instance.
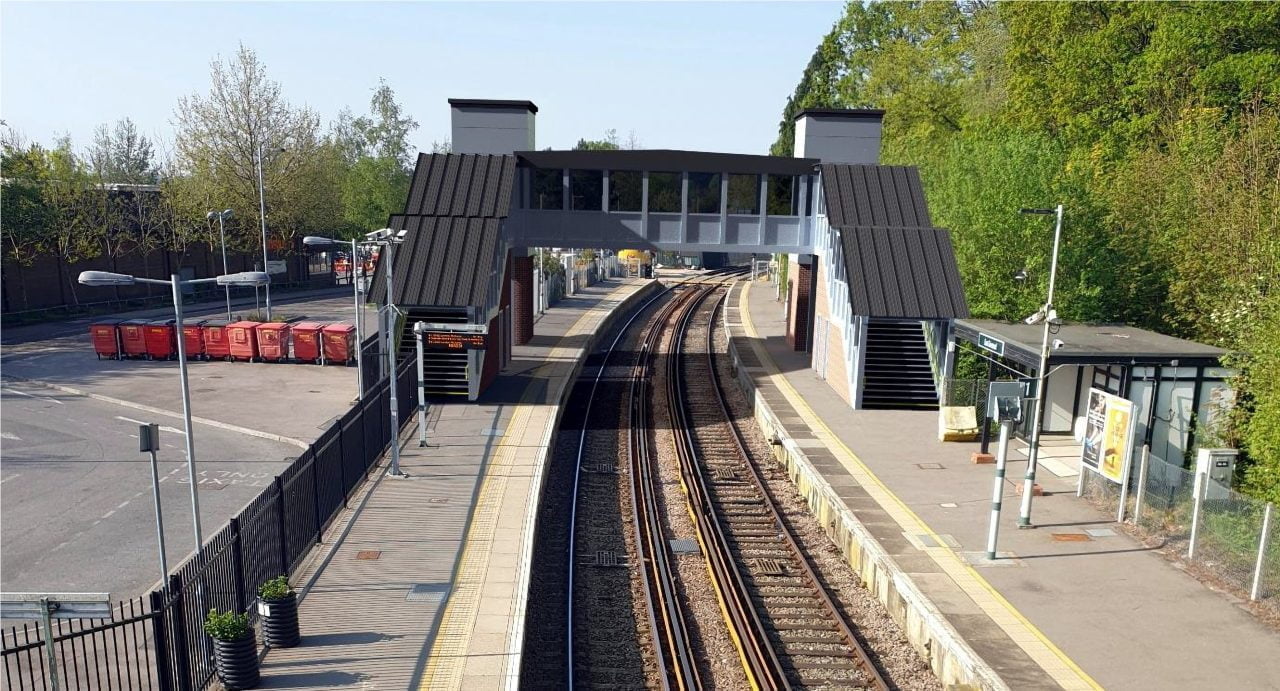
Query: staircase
point(897, 374)
point(445, 371)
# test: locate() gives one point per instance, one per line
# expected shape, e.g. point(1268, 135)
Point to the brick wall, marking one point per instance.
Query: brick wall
point(522, 298)
point(798, 310)
point(837, 374)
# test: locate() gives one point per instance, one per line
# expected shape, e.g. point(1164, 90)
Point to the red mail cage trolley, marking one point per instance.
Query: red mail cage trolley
point(243, 338)
point(273, 341)
point(340, 343)
point(133, 338)
point(106, 338)
point(216, 342)
point(306, 342)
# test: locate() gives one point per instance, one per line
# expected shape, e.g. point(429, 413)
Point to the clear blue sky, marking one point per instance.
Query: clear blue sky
point(711, 76)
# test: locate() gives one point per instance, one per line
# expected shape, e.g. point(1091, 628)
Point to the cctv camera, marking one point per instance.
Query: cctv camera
point(382, 234)
point(400, 234)
point(1058, 343)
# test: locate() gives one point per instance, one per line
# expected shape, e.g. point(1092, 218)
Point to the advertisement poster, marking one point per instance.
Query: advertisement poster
point(1108, 434)
point(1095, 421)
point(1117, 438)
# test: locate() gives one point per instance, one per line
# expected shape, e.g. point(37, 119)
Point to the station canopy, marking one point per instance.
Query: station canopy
point(1082, 344)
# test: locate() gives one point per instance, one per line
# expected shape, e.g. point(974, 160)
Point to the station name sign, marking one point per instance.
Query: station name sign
point(453, 340)
point(991, 343)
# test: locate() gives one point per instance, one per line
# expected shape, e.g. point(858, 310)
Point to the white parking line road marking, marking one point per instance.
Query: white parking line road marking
point(10, 478)
point(31, 395)
point(163, 428)
point(10, 436)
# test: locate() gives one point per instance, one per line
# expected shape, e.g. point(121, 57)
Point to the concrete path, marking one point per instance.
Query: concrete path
point(425, 586)
point(1097, 610)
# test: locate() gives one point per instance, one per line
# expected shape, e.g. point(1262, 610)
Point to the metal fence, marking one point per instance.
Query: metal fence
point(1221, 533)
point(157, 641)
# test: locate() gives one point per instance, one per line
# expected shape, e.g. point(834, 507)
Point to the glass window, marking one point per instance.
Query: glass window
point(744, 194)
point(548, 188)
point(808, 199)
point(586, 189)
point(664, 193)
point(784, 195)
point(704, 193)
point(626, 189)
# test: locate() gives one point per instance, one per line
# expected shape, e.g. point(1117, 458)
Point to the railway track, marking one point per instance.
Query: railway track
point(789, 632)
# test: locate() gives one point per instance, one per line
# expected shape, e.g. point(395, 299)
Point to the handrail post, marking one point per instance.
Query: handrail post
point(237, 563)
point(181, 649)
point(160, 636)
point(1263, 539)
point(280, 522)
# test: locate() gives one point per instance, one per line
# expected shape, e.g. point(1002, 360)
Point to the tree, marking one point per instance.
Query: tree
point(609, 143)
point(120, 154)
point(376, 151)
point(220, 137)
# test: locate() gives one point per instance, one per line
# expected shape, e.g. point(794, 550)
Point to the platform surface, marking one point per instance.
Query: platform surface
point(422, 589)
point(1102, 613)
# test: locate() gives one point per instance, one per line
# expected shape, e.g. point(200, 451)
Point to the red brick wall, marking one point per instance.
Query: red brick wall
point(492, 352)
point(798, 314)
point(522, 298)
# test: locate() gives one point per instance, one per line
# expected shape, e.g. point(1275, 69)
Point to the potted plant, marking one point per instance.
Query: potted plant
point(279, 609)
point(235, 648)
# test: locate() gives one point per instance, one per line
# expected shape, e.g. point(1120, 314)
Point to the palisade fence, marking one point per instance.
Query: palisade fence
point(1231, 537)
point(157, 641)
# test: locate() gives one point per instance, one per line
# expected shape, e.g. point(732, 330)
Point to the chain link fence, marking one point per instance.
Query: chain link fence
point(1218, 532)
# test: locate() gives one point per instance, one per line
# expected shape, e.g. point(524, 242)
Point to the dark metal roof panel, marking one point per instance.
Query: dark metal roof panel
point(905, 273)
point(668, 160)
point(850, 113)
point(492, 103)
point(444, 261)
point(879, 196)
point(461, 185)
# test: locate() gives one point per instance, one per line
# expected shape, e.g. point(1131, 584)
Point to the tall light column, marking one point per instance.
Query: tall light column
point(262, 212)
point(1047, 315)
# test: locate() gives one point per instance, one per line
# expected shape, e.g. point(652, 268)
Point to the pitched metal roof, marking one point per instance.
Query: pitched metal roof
point(473, 185)
point(906, 273)
point(454, 215)
point(883, 196)
point(669, 160)
point(1089, 343)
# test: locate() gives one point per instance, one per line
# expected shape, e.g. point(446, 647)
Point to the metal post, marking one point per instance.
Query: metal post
point(1124, 486)
point(176, 282)
point(394, 470)
point(1200, 487)
point(1033, 457)
point(222, 234)
point(155, 496)
point(1256, 590)
point(262, 211)
point(997, 492)
point(1142, 483)
point(355, 282)
point(422, 389)
point(46, 618)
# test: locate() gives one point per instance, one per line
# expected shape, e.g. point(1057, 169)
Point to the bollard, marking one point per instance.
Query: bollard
point(1199, 489)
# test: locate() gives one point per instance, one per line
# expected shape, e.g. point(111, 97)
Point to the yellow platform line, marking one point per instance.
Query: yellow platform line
point(446, 662)
point(1039, 648)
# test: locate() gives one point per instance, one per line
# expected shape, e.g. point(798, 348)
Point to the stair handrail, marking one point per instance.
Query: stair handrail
point(932, 339)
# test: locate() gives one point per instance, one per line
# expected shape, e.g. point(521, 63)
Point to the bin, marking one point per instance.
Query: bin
point(340, 343)
point(306, 342)
point(243, 338)
point(193, 338)
point(133, 337)
point(216, 343)
point(160, 338)
point(273, 341)
point(106, 338)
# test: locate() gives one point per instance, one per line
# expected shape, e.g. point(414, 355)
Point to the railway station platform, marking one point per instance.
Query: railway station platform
point(1093, 610)
point(422, 585)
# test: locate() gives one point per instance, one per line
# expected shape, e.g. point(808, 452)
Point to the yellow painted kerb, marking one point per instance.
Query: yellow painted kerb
point(965, 576)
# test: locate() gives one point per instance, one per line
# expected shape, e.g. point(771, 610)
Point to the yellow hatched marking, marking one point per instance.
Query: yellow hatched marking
point(447, 660)
point(1050, 658)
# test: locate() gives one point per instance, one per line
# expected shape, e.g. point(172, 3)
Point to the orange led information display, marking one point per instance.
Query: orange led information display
point(454, 341)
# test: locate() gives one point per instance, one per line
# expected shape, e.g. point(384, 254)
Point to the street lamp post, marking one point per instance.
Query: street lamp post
point(106, 278)
point(262, 213)
point(1049, 317)
point(222, 235)
point(316, 240)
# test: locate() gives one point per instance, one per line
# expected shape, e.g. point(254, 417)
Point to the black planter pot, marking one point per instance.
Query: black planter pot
point(237, 662)
point(280, 621)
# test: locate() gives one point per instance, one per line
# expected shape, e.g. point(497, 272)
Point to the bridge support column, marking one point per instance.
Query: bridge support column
point(800, 296)
point(522, 299)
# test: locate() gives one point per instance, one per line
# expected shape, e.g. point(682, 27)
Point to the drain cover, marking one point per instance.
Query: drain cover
point(427, 592)
point(369, 554)
point(603, 557)
point(770, 567)
point(683, 546)
point(1071, 537)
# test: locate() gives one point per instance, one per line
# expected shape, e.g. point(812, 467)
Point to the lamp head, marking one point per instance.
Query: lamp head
point(245, 278)
point(105, 278)
point(316, 240)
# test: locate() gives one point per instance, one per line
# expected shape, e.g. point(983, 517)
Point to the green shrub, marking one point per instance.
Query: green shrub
point(275, 589)
point(226, 626)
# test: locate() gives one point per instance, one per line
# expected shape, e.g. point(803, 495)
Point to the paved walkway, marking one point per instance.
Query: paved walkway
point(1103, 612)
point(425, 587)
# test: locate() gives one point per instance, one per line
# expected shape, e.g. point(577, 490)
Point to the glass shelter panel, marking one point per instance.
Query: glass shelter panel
point(626, 190)
point(664, 193)
point(704, 193)
point(548, 188)
point(744, 194)
point(586, 189)
point(784, 195)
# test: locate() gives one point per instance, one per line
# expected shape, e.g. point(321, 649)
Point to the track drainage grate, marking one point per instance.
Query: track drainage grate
point(369, 554)
point(1071, 537)
point(722, 473)
point(427, 592)
point(604, 557)
point(684, 546)
point(770, 567)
